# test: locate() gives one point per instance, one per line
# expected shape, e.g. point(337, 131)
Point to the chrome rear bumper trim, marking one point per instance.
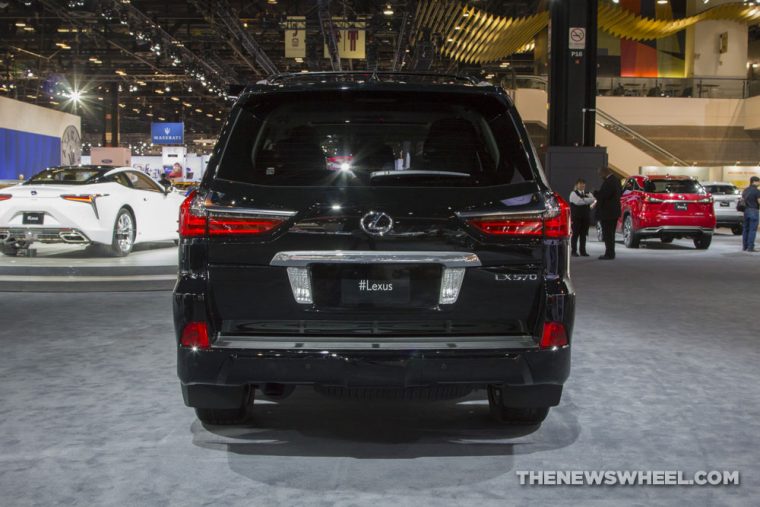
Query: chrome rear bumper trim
point(328, 343)
point(675, 229)
point(304, 258)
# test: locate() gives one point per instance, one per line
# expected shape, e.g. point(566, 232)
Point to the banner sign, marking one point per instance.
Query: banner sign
point(351, 37)
point(295, 37)
point(167, 133)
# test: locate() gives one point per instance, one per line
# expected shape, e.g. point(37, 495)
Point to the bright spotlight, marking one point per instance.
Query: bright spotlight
point(345, 166)
point(76, 96)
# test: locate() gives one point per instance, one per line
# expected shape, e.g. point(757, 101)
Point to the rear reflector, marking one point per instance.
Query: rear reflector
point(5, 197)
point(554, 335)
point(195, 335)
point(554, 222)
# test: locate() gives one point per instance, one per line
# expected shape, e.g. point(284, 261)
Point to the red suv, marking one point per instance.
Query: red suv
point(666, 207)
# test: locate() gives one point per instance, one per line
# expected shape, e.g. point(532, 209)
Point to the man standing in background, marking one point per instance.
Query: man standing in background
point(608, 209)
point(751, 198)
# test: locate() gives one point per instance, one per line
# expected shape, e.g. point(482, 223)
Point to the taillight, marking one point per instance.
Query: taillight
point(707, 200)
point(554, 335)
point(5, 197)
point(653, 200)
point(192, 218)
point(237, 225)
point(552, 223)
point(195, 336)
point(87, 199)
point(195, 220)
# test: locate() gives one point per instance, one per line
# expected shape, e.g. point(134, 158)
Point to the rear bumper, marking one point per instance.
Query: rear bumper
point(43, 235)
point(363, 368)
point(675, 230)
point(729, 220)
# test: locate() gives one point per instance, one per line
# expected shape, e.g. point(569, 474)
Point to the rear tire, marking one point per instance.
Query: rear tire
point(630, 238)
point(10, 250)
point(737, 230)
point(524, 416)
point(703, 243)
point(123, 234)
point(227, 416)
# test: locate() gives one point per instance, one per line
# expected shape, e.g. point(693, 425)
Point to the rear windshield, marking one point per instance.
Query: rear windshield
point(65, 175)
point(375, 141)
point(722, 189)
point(674, 187)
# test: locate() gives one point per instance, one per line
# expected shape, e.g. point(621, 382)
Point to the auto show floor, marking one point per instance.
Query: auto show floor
point(665, 377)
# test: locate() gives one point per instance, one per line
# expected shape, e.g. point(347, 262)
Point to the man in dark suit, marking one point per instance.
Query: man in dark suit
point(608, 209)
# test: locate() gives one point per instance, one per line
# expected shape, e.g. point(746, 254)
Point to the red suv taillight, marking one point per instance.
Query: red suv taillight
point(552, 223)
point(195, 220)
point(554, 335)
point(195, 335)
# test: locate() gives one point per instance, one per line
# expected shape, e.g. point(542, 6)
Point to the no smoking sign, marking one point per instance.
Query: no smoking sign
point(577, 38)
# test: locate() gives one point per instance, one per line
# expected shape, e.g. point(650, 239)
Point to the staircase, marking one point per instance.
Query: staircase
point(627, 149)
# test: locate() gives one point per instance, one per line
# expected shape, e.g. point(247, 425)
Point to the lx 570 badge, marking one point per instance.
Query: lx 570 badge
point(502, 277)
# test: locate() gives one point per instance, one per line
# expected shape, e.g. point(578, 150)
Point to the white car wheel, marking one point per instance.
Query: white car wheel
point(123, 234)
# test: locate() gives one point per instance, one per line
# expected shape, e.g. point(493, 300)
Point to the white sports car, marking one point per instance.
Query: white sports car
point(116, 207)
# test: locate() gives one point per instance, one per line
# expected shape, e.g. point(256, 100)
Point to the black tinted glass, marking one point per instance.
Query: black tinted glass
point(722, 189)
point(65, 175)
point(375, 143)
point(674, 187)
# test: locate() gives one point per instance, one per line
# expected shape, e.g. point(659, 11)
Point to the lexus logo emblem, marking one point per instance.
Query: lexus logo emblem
point(34, 192)
point(376, 223)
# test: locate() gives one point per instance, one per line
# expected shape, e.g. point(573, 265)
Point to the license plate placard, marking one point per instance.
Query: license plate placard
point(681, 206)
point(33, 219)
point(380, 286)
point(725, 204)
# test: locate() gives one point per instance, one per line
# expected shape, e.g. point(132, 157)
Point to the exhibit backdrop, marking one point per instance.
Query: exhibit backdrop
point(33, 138)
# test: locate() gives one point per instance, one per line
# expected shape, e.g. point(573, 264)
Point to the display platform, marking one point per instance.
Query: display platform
point(59, 268)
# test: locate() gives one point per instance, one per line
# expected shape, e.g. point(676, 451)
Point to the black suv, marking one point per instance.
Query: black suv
point(374, 235)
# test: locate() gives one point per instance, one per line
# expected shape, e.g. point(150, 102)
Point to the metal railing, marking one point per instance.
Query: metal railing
point(622, 130)
point(692, 87)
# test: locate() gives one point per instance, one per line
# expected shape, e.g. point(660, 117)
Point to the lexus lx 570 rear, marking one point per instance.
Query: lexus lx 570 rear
point(374, 235)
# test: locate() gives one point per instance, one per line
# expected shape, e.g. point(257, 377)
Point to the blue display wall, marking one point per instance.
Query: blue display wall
point(26, 153)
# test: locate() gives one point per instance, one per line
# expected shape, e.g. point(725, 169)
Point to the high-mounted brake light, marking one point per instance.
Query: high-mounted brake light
point(554, 335)
point(195, 336)
point(5, 197)
point(554, 222)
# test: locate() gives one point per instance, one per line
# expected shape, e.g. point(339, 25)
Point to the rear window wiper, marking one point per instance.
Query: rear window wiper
point(445, 174)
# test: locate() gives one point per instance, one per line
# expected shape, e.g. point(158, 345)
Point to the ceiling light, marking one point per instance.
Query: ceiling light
point(120, 72)
point(662, 2)
point(20, 24)
point(388, 11)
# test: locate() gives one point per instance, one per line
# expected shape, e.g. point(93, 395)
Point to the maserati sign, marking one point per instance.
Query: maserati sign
point(167, 133)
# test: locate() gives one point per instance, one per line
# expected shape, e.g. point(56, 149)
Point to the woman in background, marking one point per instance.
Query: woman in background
point(176, 171)
point(580, 214)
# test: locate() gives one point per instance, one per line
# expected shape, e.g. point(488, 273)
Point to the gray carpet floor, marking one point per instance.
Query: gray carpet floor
point(665, 377)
